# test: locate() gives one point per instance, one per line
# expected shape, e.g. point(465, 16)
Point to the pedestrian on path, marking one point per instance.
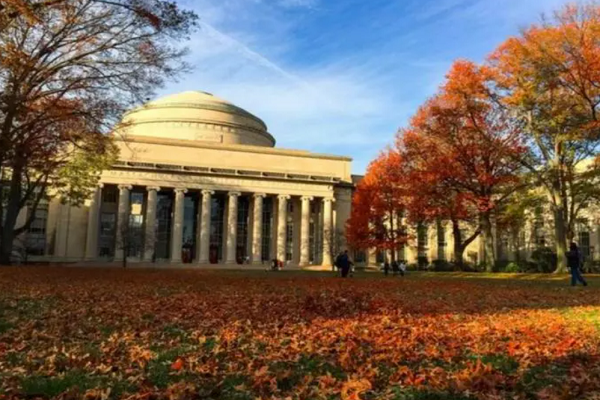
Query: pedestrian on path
point(575, 265)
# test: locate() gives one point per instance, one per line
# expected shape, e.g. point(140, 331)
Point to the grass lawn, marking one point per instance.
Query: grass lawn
point(150, 334)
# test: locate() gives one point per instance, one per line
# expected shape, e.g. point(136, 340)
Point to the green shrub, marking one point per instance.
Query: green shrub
point(412, 267)
point(545, 259)
point(442, 266)
point(592, 266)
point(512, 267)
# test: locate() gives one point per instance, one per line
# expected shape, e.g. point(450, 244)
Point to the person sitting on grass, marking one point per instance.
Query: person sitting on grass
point(402, 267)
point(575, 264)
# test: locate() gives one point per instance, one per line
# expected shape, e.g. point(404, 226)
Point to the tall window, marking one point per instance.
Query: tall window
point(441, 241)
point(110, 194)
point(538, 228)
point(216, 228)
point(289, 240)
point(360, 256)
point(540, 235)
point(190, 222)
point(313, 235)
point(266, 228)
point(422, 241)
point(584, 244)
point(164, 211)
point(242, 229)
point(106, 242)
point(36, 234)
point(135, 241)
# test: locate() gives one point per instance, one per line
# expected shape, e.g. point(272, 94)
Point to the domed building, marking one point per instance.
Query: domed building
point(199, 180)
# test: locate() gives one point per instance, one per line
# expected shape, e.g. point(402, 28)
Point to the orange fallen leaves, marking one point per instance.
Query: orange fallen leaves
point(108, 334)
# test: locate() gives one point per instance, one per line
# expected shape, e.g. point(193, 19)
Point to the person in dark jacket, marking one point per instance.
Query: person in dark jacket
point(343, 263)
point(386, 268)
point(575, 263)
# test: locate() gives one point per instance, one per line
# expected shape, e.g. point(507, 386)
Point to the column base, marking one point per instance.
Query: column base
point(207, 261)
point(231, 262)
point(175, 261)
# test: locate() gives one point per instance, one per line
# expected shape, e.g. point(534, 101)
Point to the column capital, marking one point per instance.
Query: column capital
point(207, 192)
point(263, 195)
point(180, 190)
point(234, 194)
point(153, 188)
point(100, 185)
point(328, 199)
point(307, 198)
point(123, 187)
point(283, 196)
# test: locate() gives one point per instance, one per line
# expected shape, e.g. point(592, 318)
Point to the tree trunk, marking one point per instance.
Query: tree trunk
point(12, 211)
point(489, 256)
point(517, 245)
point(560, 232)
point(459, 249)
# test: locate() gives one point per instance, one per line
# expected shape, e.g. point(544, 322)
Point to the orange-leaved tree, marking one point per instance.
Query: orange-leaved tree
point(378, 206)
point(465, 143)
point(549, 77)
point(431, 198)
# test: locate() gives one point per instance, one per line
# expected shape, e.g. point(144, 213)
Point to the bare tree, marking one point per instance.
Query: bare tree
point(133, 239)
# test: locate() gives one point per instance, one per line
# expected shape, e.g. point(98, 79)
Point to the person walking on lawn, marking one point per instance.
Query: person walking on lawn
point(575, 265)
point(343, 263)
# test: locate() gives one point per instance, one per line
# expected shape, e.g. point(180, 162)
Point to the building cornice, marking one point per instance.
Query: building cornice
point(228, 172)
point(230, 147)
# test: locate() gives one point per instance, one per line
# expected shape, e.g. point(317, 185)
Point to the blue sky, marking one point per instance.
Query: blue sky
point(341, 76)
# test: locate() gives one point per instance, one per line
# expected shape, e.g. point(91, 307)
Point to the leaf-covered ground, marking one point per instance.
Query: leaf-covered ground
point(151, 334)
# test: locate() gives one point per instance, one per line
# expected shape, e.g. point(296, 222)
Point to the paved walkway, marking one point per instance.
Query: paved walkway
point(221, 267)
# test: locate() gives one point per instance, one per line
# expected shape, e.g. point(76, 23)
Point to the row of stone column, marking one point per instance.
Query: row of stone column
point(203, 234)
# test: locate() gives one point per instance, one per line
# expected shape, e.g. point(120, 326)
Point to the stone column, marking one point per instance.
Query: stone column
point(257, 228)
point(150, 234)
point(122, 219)
point(91, 245)
point(204, 231)
point(305, 232)
point(281, 226)
point(232, 219)
point(177, 240)
point(327, 231)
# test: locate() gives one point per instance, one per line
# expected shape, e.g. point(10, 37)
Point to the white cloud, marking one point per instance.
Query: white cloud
point(351, 103)
point(298, 3)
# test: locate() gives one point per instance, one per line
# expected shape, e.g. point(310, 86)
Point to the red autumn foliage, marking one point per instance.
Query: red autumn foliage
point(462, 150)
point(140, 334)
point(378, 206)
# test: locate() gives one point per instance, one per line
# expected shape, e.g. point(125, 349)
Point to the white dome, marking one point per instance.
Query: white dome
point(197, 116)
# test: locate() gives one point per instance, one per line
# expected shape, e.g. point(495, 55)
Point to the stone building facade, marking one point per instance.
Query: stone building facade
point(200, 181)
